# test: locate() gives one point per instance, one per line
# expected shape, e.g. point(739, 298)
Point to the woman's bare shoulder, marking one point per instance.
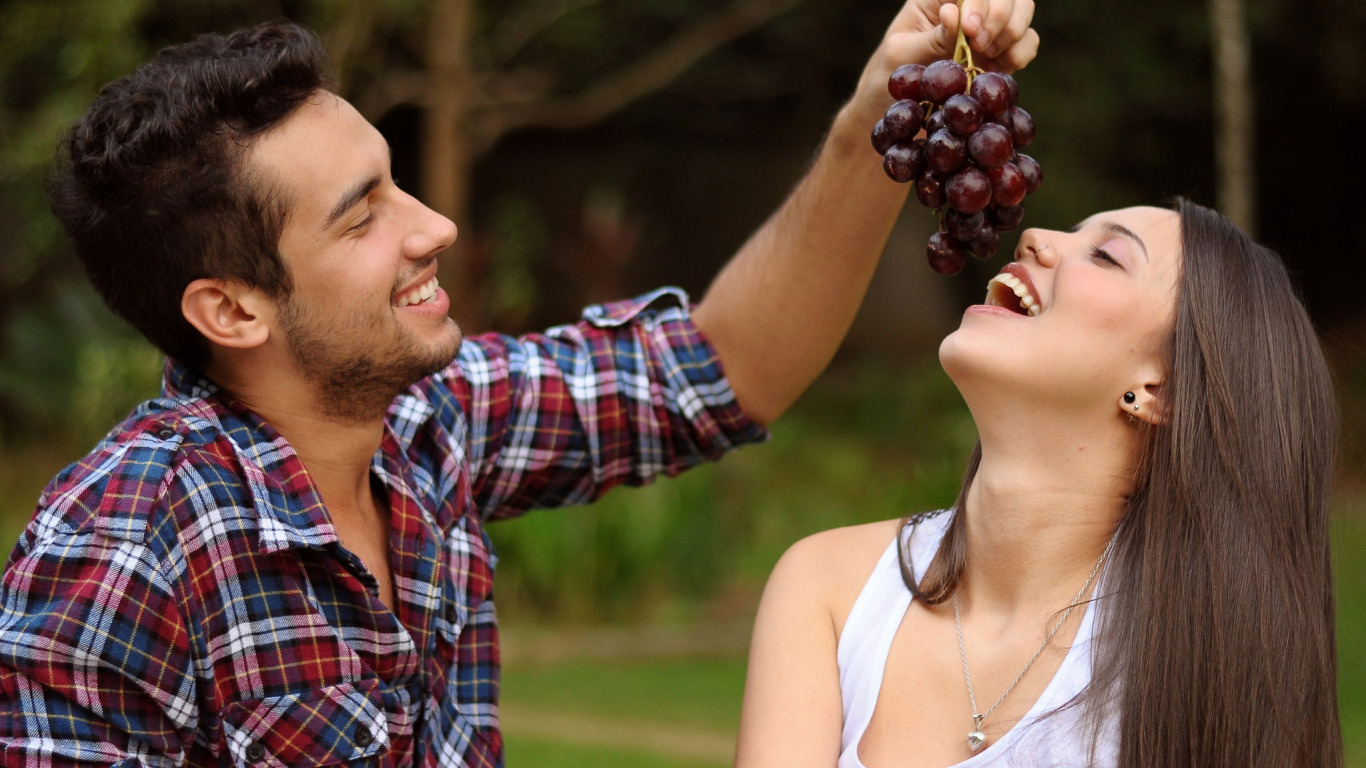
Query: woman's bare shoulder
point(832, 566)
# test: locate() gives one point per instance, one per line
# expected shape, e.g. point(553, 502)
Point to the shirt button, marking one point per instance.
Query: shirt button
point(255, 752)
point(451, 614)
point(165, 433)
point(363, 738)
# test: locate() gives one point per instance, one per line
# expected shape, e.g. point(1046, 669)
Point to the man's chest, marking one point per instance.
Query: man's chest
point(286, 635)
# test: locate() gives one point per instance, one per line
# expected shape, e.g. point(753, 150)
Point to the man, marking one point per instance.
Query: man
point(282, 560)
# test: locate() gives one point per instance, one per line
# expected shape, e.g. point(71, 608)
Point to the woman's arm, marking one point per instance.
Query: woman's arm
point(792, 714)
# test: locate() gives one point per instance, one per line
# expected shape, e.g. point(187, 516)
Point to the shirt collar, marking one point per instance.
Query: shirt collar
point(290, 511)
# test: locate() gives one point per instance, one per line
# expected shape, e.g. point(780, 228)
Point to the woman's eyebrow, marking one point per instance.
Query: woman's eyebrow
point(1123, 231)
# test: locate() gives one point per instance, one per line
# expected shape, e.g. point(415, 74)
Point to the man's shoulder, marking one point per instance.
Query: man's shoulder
point(116, 488)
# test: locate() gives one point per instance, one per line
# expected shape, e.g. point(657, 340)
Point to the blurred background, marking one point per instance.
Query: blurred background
point(590, 149)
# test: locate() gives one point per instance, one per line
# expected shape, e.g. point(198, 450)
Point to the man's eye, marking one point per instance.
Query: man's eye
point(362, 224)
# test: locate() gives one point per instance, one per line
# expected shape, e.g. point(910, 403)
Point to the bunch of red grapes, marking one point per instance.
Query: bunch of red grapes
point(968, 165)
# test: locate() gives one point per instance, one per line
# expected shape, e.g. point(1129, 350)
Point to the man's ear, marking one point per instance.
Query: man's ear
point(228, 313)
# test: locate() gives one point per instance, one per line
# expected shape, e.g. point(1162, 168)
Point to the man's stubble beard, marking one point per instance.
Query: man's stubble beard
point(355, 384)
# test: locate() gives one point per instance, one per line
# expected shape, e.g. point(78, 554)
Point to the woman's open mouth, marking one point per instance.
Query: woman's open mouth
point(1010, 292)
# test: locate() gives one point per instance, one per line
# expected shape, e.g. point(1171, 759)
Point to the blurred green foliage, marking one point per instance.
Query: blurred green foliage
point(867, 444)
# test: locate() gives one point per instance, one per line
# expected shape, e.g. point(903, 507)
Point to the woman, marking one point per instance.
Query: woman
point(1136, 572)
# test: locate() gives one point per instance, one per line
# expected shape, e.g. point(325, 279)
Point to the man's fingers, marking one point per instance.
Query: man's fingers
point(974, 16)
point(1018, 55)
point(1022, 15)
point(948, 20)
point(998, 16)
point(1024, 51)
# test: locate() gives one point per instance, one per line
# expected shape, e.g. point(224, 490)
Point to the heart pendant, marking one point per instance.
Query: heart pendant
point(975, 740)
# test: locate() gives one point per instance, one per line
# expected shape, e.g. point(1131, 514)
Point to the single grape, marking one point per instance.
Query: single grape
point(929, 188)
point(969, 190)
point(945, 152)
point(903, 119)
point(904, 162)
point(1021, 127)
point(1003, 119)
point(985, 244)
point(990, 145)
point(961, 226)
point(882, 138)
point(1008, 185)
point(962, 114)
point(1006, 219)
point(1013, 87)
point(946, 256)
point(935, 122)
point(943, 79)
point(905, 82)
point(992, 92)
point(1033, 172)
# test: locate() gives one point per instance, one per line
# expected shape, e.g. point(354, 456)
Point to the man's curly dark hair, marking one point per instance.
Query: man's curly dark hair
point(151, 182)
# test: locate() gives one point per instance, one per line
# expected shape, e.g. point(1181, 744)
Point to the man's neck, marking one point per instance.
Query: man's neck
point(337, 455)
point(336, 451)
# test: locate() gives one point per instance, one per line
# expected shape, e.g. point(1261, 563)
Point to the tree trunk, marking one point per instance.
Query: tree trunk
point(446, 158)
point(1234, 137)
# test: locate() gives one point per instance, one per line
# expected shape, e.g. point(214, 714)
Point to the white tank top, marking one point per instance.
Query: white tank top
point(1059, 741)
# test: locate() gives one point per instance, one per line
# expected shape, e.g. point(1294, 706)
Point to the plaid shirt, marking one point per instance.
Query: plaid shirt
point(181, 597)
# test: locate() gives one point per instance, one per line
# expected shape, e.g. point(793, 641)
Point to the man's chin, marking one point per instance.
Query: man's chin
point(439, 361)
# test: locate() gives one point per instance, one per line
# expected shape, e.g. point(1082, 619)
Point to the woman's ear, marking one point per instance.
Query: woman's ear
point(228, 313)
point(1146, 402)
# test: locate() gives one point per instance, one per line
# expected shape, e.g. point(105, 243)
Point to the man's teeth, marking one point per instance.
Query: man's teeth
point(1017, 287)
point(419, 295)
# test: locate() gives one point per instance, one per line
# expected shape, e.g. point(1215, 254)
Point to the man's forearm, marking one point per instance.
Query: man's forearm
point(779, 310)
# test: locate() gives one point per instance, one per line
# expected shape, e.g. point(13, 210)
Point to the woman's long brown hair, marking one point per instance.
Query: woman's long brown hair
point(1215, 640)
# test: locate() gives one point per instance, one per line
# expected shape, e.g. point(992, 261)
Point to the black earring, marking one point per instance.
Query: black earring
point(1130, 397)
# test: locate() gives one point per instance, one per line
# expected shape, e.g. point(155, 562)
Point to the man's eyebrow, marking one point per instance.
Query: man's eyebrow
point(355, 194)
point(1115, 228)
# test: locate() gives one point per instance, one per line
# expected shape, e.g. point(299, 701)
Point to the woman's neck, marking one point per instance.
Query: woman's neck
point(1040, 510)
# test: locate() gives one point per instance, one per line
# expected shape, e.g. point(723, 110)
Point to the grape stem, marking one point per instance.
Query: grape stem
point(962, 52)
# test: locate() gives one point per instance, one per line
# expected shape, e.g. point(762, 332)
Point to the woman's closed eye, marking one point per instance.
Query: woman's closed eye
point(1103, 255)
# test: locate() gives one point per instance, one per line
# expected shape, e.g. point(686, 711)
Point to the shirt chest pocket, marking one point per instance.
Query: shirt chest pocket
point(336, 725)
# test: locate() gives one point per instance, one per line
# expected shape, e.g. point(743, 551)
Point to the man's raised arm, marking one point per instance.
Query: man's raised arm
point(779, 310)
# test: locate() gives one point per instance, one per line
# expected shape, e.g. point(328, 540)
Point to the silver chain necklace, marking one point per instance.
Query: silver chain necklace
point(975, 737)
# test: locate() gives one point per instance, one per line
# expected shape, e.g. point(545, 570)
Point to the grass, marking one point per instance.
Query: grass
point(540, 753)
point(696, 693)
point(670, 712)
point(1350, 574)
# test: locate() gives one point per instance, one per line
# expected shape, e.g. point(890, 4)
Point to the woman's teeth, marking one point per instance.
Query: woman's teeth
point(419, 295)
point(1016, 286)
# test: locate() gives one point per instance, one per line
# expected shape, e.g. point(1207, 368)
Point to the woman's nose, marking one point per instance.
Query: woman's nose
point(1035, 244)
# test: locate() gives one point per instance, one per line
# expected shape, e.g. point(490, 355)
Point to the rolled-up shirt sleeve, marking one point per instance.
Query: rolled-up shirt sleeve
point(630, 392)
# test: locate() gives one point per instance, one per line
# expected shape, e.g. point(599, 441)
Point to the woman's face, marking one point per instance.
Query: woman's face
point(1079, 318)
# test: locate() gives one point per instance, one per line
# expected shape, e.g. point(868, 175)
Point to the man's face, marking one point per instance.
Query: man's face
point(366, 317)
